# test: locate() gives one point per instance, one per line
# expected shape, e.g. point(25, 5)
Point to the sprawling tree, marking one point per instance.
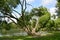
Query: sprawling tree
point(26, 22)
point(32, 25)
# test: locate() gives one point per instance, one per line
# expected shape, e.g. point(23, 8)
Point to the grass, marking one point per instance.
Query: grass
point(56, 36)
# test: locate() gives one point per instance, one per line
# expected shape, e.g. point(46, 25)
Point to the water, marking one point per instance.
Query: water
point(15, 34)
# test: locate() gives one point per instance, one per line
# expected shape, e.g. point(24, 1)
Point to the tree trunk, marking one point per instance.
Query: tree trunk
point(30, 32)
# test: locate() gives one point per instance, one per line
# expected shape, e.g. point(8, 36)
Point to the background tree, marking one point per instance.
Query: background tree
point(58, 8)
point(57, 23)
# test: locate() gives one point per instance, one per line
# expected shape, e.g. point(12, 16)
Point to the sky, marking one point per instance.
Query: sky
point(50, 4)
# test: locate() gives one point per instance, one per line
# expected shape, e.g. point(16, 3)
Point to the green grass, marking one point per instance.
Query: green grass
point(56, 36)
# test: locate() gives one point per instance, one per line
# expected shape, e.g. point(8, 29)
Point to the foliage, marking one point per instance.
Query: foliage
point(5, 25)
point(57, 21)
point(44, 19)
point(50, 25)
point(7, 5)
point(39, 11)
point(12, 25)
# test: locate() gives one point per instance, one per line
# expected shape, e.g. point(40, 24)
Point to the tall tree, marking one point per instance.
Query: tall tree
point(58, 8)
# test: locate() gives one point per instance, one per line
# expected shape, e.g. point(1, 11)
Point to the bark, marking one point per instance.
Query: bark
point(30, 32)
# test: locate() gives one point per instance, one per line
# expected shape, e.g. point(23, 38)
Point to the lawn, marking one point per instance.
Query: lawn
point(55, 36)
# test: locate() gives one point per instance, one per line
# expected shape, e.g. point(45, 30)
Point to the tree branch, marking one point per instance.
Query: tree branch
point(16, 11)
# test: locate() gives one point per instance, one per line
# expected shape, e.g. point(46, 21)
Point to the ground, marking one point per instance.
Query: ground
point(55, 36)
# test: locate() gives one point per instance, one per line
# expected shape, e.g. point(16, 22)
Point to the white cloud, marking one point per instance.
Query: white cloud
point(46, 2)
point(53, 10)
point(29, 1)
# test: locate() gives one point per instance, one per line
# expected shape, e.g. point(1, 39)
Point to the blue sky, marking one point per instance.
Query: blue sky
point(50, 4)
point(46, 3)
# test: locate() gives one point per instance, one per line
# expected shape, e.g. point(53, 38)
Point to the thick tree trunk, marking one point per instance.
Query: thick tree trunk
point(30, 32)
